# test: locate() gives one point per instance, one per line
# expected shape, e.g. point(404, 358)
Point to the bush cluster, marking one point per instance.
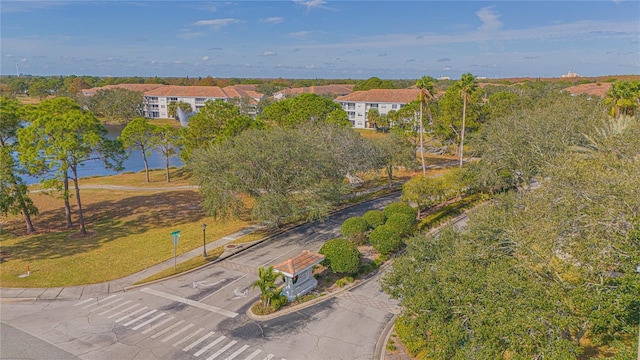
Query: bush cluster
point(399, 207)
point(355, 229)
point(374, 218)
point(341, 255)
point(385, 239)
point(402, 223)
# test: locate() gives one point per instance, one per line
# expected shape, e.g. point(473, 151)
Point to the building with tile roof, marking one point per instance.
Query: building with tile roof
point(358, 104)
point(298, 273)
point(133, 87)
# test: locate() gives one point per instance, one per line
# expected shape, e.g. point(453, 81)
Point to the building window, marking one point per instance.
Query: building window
point(394, 106)
point(172, 99)
point(352, 114)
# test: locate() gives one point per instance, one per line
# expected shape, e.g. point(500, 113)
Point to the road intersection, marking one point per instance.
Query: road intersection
point(202, 314)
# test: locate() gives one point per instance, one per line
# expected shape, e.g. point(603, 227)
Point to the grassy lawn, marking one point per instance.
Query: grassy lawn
point(129, 231)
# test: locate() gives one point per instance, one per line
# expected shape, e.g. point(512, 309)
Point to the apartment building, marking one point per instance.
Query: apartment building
point(358, 104)
point(333, 89)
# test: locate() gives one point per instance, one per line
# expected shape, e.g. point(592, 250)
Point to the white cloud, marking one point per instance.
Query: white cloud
point(313, 4)
point(269, 53)
point(489, 19)
point(218, 23)
point(24, 60)
point(272, 20)
point(205, 58)
point(188, 34)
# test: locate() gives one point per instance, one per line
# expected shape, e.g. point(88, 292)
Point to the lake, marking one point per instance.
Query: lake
point(133, 163)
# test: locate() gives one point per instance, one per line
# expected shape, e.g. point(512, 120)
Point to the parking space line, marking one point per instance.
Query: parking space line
point(184, 339)
point(167, 329)
point(202, 338)
point(204, 349)
point(157, 325)
point(225, 348)
point(177, 333)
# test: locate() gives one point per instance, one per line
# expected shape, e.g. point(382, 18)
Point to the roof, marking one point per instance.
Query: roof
point(596, 89)
point(298, 263)
point(188, 91)
point(401, 96)
point(240, 91)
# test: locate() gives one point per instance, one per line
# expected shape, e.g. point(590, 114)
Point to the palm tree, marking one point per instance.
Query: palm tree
point(426, 86)
point(468, 85)
point(267, 284)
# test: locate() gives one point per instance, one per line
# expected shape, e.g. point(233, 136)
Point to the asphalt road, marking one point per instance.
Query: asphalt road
point(201, 315)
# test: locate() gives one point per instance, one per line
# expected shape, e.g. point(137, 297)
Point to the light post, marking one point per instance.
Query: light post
point(204, 239)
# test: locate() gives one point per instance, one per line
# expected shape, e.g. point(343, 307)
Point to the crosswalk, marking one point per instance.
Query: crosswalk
point(201, 343)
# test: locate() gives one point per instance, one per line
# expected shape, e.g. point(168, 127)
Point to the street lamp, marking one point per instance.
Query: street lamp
point(204, 239)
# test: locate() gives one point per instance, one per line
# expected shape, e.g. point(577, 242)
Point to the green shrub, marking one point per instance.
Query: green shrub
point(385, 239)
point(374, 218)
point(355, 229)
point(402, 223)
point(279, 300)
point(399, 207)
point(412, 340)
point(381, 259)
point(344, 281)
point(341, 255)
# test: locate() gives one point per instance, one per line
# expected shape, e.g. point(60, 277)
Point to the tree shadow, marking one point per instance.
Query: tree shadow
point(105, 220)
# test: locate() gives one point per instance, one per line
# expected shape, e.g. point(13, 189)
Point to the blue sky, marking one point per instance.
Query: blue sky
point(320, 39)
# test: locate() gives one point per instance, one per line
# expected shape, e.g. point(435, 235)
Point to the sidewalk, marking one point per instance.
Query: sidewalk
point(94, 290)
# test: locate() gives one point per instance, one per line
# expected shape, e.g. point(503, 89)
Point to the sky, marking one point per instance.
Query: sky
point(320, 38)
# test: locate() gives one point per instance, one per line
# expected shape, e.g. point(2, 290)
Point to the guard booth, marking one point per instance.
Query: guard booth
point(297, 271)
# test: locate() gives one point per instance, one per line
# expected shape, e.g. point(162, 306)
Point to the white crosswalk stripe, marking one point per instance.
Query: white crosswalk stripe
point(225, 348)
point(98, 302)
point(131, 314)
point(116, 307)
point(253, 354)
point(214, 343)
point(149, 321)
point(108, 304)
point(183, 340)
point(140, 317)
point(153, 327)
point(123, 311)
point(195, 343)
point(84, 302)
point(269, 357)
point(167, 329)
point(238, 352)
point(189, 326)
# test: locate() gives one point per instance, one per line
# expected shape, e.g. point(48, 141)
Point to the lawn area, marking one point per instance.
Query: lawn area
point(129, 231)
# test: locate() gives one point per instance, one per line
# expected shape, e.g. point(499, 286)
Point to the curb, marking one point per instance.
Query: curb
point(383, 340)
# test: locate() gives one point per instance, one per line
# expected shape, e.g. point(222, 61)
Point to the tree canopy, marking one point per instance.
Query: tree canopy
point(303, 109)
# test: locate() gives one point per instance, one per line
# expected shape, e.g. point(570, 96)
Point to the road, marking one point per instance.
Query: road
point(202, 315)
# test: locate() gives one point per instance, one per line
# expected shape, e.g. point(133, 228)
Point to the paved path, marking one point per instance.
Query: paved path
point(93, 290)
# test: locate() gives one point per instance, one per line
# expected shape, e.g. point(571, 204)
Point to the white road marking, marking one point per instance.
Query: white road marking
point(204, 349)
point(115, 307)
point(98, 302)
point(190, 302)
point(123, 311)
point(140, 317)
point(217, 291)
point(253, 354)
point(83, 302)
point(177, 333)
point(167, 329)
point(269, 357)
point(133, 313)
point(107, 304)
point(149, 321)
point(184, 339)
point(238, 352)
point(197, 284)
point(157, 325)
point(225, 348)
point(202, 338)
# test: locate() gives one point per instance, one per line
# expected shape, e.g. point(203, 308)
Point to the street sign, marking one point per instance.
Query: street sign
point(175, 235)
